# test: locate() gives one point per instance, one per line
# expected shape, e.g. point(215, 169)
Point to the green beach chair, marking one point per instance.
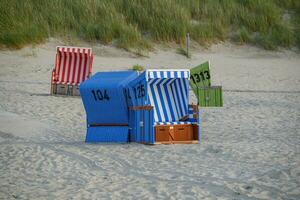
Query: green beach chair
point(207, 95)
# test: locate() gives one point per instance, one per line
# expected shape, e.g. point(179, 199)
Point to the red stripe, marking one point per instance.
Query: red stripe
point(64, 66)
point(69, 67)
point(74, 66)
point(91, 64)
point(61, 67)
point(85, 65)
point(59, 63)
point(79, 68)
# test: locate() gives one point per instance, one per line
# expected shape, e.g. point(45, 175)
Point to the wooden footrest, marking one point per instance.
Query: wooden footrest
point(179, 142)
point(176, 134)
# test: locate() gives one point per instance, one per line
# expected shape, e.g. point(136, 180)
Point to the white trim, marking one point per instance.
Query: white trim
point(166, 70)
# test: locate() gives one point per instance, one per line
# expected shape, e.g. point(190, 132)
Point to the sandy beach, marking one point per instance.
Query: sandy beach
point(250, 148)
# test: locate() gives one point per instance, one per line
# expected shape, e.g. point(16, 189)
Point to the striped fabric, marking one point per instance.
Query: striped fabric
point(152, 74)
point(73, 65)
point(172, 123)
point(167, 94)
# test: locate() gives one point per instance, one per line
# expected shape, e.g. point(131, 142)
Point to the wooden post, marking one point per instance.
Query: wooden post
point(187, 45)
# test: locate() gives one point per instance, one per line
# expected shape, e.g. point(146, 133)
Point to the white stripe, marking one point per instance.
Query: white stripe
point(151, 100)
point(61, 65)
point(186, 74)
point(174, 109)
point(151, 75)
point(165, 75)
point(177, 85)
point(182, 83)
point(77, 66)
point(160, 110)
point(172, 74)
point(72, 67)
point(185, 83)
point(66, 69)
point(60, 47)
point(167, 70)
point(165, 99)
point(157, 74)
point(176, 100)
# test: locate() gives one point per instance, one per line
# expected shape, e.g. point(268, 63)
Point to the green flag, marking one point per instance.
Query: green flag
point(200, 76)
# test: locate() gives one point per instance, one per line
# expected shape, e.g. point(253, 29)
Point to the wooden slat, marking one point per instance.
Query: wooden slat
point(141, 108)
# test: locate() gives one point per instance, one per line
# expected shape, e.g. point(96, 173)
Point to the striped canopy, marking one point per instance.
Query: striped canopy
point(73, 65)
point(168, 93)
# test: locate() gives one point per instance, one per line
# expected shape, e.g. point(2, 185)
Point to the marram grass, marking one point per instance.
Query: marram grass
point(137, 24)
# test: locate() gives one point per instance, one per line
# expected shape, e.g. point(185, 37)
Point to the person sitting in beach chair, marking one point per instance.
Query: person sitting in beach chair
point(73, 65)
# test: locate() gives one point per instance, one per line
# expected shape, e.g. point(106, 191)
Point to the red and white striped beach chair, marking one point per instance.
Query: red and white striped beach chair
point(73, 65)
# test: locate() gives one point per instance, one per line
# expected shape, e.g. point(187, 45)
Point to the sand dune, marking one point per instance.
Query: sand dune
point(250, 148)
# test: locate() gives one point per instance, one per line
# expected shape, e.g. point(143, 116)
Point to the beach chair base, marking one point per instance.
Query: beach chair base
point(176, 134)
point(65, 89)
point(179, 142)
point(210, 96)
point(107, 134)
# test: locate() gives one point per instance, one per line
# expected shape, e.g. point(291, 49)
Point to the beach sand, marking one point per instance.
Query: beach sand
point(250, 148)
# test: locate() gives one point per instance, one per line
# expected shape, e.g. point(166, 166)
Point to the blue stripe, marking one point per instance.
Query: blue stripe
point(166, 86)
point(183, 97)
point(185, 85)
point(168, 74)
point(164, 117)
point(173, 123)
point(170, 95)
point(177, 99)
point(177, 74)
point(161, 74)
point(154, 100)
point(180, 100)
point(182, 74)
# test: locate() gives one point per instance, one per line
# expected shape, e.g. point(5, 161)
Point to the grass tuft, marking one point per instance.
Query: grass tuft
point(138, 68)
point(242, 36)
point(182, 51)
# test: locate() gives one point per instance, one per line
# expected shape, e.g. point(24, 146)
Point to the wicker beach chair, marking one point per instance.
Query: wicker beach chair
point(73, 65)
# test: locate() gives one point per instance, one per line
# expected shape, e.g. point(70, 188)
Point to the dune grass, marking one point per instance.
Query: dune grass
point(138, 23)
point(138, 67)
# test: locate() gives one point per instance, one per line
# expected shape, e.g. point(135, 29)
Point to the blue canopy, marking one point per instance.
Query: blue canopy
point(166, 90)
point(103, 97)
